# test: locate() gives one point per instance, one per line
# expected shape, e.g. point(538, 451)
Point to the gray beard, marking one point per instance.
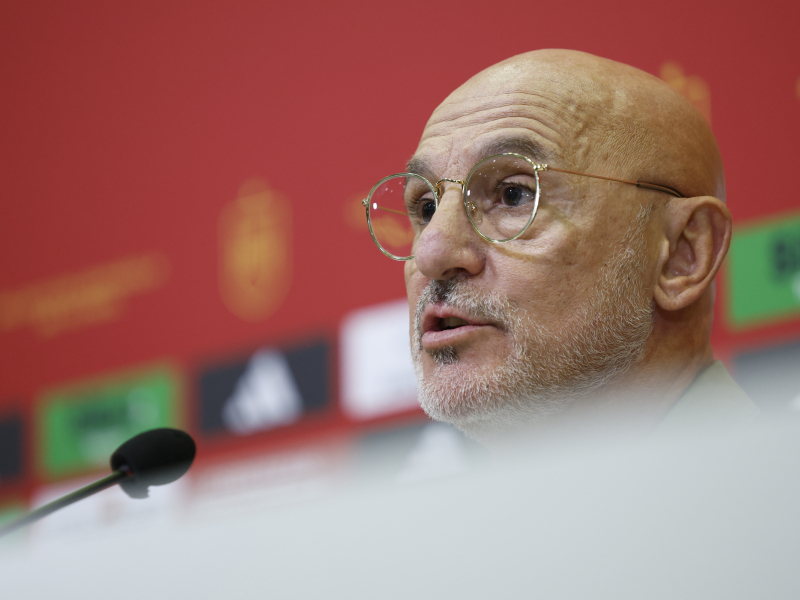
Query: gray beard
point(547, 368)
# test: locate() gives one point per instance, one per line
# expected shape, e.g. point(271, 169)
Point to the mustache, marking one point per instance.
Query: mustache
point(458, 293)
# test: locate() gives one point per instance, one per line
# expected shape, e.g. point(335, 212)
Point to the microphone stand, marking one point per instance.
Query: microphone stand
point(154, 457)
point(43, 511)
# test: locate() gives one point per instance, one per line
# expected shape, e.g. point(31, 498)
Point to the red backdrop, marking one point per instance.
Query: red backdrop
point(128, 132)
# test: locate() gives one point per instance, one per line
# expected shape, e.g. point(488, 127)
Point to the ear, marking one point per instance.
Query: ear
point(699, 234)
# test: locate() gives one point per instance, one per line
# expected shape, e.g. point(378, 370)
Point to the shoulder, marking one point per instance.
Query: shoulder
point(713, 401)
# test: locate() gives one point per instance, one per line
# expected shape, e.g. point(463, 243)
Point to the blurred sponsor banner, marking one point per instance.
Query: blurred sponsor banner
point(11, 448)
point(79, 426)
point(377, 377)
point(764, 272)
point(270, 389)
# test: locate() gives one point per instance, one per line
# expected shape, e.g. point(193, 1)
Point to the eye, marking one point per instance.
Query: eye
point(515, 194)
point(421, 210)
point(427, 208)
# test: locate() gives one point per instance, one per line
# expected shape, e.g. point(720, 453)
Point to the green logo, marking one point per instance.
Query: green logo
point(764, 273)
point(80, 426)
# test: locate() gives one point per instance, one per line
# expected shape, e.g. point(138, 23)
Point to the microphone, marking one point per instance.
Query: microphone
point(154, 457)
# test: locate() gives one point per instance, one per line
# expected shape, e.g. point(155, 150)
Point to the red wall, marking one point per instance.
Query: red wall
point(128, 131)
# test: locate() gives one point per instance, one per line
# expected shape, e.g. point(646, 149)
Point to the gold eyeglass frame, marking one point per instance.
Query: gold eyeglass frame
point(470, 207)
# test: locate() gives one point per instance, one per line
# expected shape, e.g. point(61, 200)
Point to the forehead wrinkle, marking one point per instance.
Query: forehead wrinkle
point(510, 140)
point(433, 165)
point(546, 116)
point(510, 128)
point(497, 123)
point(548, 110)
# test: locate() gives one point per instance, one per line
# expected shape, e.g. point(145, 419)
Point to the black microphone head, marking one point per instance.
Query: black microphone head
point(154, 457)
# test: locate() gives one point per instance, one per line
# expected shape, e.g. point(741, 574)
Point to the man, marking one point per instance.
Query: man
point(598, 307)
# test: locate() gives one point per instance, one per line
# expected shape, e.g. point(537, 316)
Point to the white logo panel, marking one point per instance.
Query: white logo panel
point(377, 376)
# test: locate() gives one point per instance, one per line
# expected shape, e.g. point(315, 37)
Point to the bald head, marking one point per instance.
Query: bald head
point(604, 113)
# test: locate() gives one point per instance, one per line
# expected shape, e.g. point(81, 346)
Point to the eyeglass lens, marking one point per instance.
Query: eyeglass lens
point(500, 198)
point(390, 222)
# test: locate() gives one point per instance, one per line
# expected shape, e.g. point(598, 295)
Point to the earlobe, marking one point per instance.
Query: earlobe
point(699, 233)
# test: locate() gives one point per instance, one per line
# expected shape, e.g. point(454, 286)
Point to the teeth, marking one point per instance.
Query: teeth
point(451, 322)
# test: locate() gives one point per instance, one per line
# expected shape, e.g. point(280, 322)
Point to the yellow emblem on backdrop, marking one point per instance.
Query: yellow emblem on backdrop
point(254, 238)
point(693, 88)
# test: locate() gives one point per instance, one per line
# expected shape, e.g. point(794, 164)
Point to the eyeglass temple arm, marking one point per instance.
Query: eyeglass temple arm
point(641, 184)
point(365, 204)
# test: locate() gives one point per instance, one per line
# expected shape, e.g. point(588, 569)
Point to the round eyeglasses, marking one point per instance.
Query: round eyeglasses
point(500, 196)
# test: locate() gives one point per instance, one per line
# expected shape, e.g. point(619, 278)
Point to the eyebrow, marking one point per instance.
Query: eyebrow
point(515, 144)
point(518, 145)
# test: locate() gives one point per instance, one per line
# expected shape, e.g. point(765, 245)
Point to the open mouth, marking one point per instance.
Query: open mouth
point(449, 323)
point(445, 326)
point(441, 324)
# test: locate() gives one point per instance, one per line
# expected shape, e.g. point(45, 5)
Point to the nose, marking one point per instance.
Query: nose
point(448, 246)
